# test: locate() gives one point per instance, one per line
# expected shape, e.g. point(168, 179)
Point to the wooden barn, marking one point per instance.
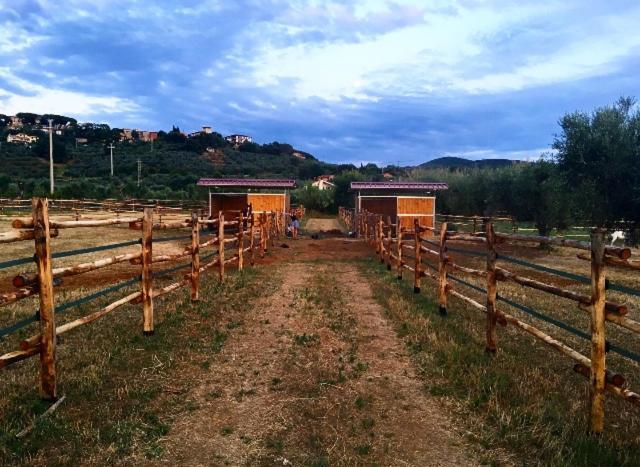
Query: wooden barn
point(401, 201)
point(263, 195)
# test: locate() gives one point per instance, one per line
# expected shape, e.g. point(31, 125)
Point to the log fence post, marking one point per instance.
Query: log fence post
point(418, 256)
point(381, 238)
point(442, 270)
point(195, 257)
point(252, 240)
point(42, 236)
point(492, 292)
point(221, 246)
point(240, 242)
point(598, 342)
point(376, 238)
point(262, 242)
point(399, 249)
point(389, 242)
point(147, 272)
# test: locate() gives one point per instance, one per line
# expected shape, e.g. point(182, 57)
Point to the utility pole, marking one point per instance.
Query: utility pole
point(111, 147)
point(51, 154)
point(139, 171)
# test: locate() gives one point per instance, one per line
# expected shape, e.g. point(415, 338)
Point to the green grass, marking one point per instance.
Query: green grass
point(525, 403)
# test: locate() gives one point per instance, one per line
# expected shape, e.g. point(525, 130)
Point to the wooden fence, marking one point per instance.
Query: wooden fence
point(347, 215)
point(242, 235)
point(426, 252)
point(10, 206)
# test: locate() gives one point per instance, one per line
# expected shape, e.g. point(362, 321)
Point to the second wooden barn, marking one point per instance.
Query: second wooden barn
point(273, 195)
point(401, 201)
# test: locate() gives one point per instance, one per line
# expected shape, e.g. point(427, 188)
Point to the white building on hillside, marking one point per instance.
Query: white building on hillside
point(323, 184)
point(238, 139)
point(21, 138)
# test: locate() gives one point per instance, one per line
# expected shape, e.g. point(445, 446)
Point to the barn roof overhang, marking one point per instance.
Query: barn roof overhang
point(399, 186)
point(247, 182)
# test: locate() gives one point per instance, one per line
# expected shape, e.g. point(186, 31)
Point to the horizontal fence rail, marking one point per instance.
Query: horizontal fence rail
point(428, 252)
point(241, 236)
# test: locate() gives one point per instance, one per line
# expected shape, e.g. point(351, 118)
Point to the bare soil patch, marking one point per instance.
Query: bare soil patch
point(316, 377)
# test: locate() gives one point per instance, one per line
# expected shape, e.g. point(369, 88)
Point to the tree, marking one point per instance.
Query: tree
point(599, 162)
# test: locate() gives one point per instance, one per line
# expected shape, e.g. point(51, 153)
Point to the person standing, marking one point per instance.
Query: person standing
point(295, 226)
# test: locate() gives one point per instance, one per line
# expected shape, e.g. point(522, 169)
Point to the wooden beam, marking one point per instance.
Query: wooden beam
point(442, 271)
point(221, 246)
point(147, 272)
point(598, 342)
point(48, 379)
point(195, 258)
point(491, 290)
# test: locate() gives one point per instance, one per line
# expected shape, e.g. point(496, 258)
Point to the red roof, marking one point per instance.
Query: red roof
point(248, 182)
point(399, 186)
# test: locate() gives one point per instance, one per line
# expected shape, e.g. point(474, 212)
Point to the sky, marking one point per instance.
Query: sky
point(388, 82)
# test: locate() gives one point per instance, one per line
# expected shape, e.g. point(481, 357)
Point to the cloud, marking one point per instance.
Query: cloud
point(39, 99)
point(356, 80)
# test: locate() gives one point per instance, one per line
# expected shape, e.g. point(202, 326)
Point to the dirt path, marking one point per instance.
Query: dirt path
point(316, 376)
point(323, 225)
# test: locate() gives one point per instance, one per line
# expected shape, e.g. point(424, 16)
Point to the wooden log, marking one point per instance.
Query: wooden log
point(241, 243)
point(473, 272)
point(221, 247)
point(465, 238)
point(10, 297)
point(418, 256)
point(18, 355)
point(610, 307)
point(195, 257)
point(612, 261)
point(34, 340)
point(171, 287)
point(48, 379)
point(389, 235)
point(252, 240)
point(137, 225)
point(400, 232)
point(262, 235)
point(620, 252)
point(431, 252)
point(22, 280)
point(547, 339)
point(92, 222)
point(598, 342)
point(21, 235)
point(442, 271)
point(146, 281)
point(491, 346)
point(611, 378)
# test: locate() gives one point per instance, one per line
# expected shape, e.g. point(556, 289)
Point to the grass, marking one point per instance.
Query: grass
point(124, 390)
point(526, 403)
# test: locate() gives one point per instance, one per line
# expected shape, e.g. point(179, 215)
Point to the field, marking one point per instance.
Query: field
point(317, 356)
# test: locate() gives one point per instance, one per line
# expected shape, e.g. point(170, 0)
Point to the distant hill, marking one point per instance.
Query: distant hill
point(459, 162)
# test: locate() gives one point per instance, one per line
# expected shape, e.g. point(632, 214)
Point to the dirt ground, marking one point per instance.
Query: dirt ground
point(317, 376)
point(323, 225)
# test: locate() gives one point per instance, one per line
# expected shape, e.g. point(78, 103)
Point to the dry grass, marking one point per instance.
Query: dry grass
point(527, 402)
point(123, 389)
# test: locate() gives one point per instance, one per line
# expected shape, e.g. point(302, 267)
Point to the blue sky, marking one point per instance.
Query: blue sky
point(382, 81)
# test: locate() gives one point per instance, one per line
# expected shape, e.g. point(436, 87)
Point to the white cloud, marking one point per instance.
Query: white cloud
point(40, 99)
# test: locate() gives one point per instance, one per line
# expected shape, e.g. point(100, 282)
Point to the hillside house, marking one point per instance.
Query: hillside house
point(323, 184)
point(21, 138)
point(238, 139)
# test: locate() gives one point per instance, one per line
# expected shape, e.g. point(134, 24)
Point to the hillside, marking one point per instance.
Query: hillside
point(459, 163)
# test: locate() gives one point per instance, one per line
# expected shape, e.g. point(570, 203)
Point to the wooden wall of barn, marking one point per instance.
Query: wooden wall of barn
point(416, 207)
